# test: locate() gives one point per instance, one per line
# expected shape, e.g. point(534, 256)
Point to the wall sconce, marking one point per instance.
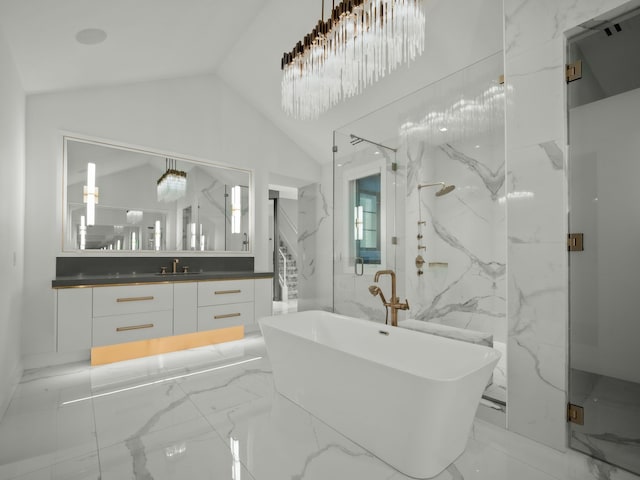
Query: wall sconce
point(192, 236)
point(83, 233)
point(157, 235)
point(236, 208)
point(358, 214)
point(90, 194)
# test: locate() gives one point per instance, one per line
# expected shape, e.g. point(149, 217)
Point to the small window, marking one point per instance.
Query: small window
point(367, 221)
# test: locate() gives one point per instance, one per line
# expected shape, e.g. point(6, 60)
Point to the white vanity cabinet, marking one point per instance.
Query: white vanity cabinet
point(185, 307)
point(74, 313)
point(131, 312)
point(226, 303)
point(103, 315)
point(263, 298)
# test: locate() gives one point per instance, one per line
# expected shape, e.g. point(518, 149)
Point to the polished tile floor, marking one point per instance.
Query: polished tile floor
point(212, 413)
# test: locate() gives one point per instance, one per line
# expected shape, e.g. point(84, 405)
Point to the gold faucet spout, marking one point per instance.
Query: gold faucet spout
point(394, 304)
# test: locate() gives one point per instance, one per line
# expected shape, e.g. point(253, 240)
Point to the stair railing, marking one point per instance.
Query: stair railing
point(283, 277)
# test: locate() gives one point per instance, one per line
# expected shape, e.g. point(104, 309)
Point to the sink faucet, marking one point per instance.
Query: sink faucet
point(394, 304)
point(174, 265)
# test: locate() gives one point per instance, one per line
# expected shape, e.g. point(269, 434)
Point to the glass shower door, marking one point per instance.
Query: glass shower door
point(604, 200)
point(367, 181)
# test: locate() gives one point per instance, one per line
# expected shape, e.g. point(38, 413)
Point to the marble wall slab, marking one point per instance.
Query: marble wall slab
point(315, 244)
point(536, 155)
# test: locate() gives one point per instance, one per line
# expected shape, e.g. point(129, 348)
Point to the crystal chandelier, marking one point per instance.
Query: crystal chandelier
point(360, 43)
point(172, 184)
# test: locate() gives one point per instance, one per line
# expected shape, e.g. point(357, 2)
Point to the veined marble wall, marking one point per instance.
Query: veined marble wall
point(464, 234)
point(315, 241)
point(536, 153)
point(463, 281)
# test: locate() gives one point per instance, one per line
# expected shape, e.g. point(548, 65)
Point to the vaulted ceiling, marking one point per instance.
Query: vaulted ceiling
point(240, 41)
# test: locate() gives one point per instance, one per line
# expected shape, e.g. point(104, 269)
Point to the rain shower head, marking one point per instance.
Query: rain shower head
point(444, 188)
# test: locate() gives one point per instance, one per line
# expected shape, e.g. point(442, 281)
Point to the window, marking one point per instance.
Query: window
point(367, 219)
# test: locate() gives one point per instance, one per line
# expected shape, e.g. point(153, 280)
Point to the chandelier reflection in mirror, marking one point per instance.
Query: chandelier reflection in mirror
point(172, 185)
point(360, 43)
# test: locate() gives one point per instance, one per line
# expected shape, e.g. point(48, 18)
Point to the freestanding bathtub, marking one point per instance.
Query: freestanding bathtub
point(407, 397)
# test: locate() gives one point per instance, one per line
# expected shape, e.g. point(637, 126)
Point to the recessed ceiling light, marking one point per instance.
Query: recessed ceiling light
point(377, 152)
point(443, 129)
point(91, 36)
point(477, 146)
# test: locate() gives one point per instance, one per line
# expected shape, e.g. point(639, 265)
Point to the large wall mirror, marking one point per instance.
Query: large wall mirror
point(126, 199)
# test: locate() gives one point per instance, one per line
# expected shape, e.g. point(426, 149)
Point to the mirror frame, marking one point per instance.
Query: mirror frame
point(67, 136)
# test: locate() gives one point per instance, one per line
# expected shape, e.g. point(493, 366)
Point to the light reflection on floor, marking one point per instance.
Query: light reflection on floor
point(213, 412)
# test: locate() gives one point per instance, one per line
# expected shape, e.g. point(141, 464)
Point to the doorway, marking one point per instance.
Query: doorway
point(603, 174)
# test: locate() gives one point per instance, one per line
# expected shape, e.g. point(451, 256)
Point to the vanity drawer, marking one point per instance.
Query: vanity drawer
point(132, 299)
point(129, 328)
point(222, 316)
point(226, 291)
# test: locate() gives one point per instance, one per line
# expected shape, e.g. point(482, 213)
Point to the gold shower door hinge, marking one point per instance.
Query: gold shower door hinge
point(575, 414)
point(574, 71)
point(575, 242)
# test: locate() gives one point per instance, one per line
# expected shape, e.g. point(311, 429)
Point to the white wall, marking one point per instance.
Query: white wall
point(198, 116)
point(12, 181)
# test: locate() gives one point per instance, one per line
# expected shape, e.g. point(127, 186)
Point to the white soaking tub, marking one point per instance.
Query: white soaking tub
point(407, 397)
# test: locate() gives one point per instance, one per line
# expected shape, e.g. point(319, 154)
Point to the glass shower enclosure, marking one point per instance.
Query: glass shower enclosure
point(603, 175)
point(447, 246)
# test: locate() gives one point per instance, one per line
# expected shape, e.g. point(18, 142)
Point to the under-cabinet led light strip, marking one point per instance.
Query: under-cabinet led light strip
point(120, 390)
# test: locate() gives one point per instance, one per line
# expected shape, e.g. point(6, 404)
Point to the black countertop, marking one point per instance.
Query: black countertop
point(91, 280)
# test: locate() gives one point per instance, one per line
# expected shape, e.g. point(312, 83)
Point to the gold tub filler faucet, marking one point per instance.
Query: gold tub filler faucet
point(394, 304)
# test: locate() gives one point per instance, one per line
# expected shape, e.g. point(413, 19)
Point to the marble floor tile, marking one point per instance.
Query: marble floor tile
point(135, 412)
point(191, 450)
point(214, 413)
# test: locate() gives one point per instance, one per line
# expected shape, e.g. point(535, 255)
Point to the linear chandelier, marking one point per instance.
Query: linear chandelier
point(360, 43)
point(172, 184)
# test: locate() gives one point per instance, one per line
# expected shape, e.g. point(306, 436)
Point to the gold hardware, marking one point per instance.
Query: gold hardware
point(134, 299)
point(575, 242)
point(225, 292)
point(419, 261)
point(574, 71)
point(438, 264)
point(163, 270)
point(134, 327)
point(575, 414)
point(174, 265)
point(228, 315)
point(86, 193)
point(394, 167)
point(394, 304)
point(422, 247)
point(501, 79)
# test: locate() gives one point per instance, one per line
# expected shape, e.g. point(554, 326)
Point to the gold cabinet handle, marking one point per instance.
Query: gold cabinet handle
point(134, 327)
point(224, 292)
point(134, 299)
point(228, 315)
